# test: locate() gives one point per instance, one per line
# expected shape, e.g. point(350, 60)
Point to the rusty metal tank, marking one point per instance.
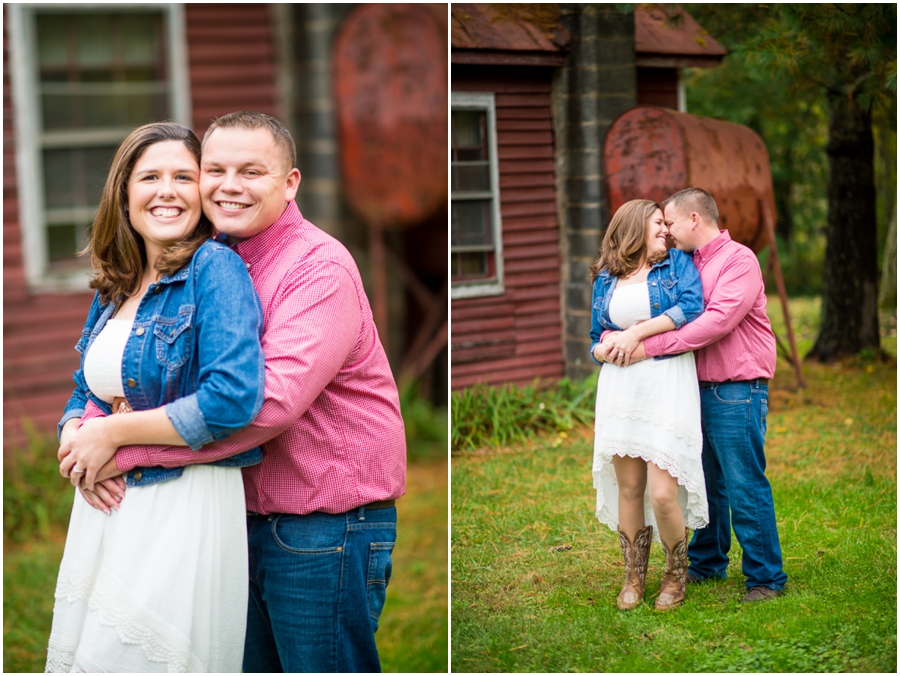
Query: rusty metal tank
point(390, 74)
point(653, 152)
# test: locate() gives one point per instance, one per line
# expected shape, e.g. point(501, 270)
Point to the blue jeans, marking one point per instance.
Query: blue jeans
point(317, 587)
point(733, 417)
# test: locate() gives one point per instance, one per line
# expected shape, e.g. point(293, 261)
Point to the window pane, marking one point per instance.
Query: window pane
point(472, 264)
point(97, 71)
point(470, 223)
point(96, 167)
point(141, 44)
point(74, 177)
point(59, 173)
point(469, 131)
point(61, 242)
point(471, 177)
point(52, 42)
point(95, 40)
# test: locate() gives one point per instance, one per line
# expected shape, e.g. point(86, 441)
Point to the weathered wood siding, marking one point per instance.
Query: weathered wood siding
point(516, 337)
point(657, 87)
point(231, 60)
point(231, 67)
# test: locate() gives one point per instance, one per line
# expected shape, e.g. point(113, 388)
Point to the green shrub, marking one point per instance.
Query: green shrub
point(498, 416)
point(425, 424)
point(36, 499)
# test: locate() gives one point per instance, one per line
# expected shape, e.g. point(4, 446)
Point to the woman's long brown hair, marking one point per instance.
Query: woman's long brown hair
point(117, 251)
point(624, 247)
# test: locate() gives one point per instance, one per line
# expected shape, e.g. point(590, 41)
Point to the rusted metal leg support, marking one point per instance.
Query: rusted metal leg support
point(379, 282)
point(775, 265)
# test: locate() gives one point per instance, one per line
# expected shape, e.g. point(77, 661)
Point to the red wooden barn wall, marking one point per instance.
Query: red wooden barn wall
point(232, 60)
point(517, 337)
point(231, 67)
point(657, 87)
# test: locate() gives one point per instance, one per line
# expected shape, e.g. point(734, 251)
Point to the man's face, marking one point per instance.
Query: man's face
point(244, 181)
point(681, 228)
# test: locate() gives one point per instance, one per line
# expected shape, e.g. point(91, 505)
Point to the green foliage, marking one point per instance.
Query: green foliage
point(36, 499)
point(425, 424)
point(498, 416)
point(783, 60)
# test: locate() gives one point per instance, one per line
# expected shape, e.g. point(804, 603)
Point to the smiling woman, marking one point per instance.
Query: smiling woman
point(647, 469)
point(158, 581)
point(163, 196)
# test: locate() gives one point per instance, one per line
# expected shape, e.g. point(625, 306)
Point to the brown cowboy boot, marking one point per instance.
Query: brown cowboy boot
point(671, 589)
point(637, 554)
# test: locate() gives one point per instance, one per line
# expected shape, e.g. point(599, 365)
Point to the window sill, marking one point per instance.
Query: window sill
point(476, 290)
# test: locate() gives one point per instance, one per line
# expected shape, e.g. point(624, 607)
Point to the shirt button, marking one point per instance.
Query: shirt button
point(656, 305)
point(247, 265)
point(140, 331)
point(131, 382)
point(652, 283)
point(137, 476)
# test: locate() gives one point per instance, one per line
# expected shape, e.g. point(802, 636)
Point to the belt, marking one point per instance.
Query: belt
point(121, 405)
point(379, 504)
point(756, 382)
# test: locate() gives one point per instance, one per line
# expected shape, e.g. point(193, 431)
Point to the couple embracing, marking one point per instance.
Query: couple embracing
point(234, 411)
point(669, 455)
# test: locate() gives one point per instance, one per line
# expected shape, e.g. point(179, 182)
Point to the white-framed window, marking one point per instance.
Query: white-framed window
point(476, 244)
point(83, 77)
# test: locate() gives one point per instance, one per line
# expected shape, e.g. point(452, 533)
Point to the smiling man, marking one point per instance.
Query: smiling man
point(320, 507)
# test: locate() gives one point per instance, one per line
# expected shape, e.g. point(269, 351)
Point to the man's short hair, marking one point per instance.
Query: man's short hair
point(250, 119)
point(695, 199)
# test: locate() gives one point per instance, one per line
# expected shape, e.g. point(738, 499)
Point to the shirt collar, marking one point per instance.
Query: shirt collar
point(708, 250)
point(253, 248)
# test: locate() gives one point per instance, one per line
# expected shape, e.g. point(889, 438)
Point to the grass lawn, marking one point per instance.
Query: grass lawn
point(535, 576)
point(412, 636)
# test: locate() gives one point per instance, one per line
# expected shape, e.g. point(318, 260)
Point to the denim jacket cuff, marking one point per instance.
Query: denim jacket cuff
point(188, 421)
point(676, 315)
point(67, 416)
point(593, 358)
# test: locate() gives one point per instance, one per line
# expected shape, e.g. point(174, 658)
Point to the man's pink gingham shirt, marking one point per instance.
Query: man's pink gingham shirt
point(733, 338)
point(330, 425)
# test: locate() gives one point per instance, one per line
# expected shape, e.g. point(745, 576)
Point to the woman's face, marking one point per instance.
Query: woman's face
point(656, 233)
point(164, 195)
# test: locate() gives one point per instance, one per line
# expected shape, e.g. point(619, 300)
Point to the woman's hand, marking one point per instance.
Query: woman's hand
point(604, 347)
point(622, 345)
point(106, 495)
point(89, 449)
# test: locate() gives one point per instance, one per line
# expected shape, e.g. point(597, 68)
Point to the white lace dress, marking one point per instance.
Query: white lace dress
point(649, 410)
point(161, 584)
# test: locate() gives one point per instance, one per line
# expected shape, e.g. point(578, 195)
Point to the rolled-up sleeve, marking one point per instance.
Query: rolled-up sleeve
point(231, 367)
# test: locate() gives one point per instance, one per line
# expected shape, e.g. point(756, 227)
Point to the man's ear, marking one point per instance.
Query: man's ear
point(292, 183)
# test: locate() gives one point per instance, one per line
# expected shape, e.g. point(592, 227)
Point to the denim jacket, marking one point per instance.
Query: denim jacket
point(675, 291)
point(194, 347)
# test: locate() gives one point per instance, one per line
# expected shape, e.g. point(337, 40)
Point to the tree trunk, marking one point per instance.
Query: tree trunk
point(888, 295)
point(850, 285)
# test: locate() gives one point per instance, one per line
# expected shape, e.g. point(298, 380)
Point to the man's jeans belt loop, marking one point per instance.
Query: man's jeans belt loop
point(380, 504)
point(756, 382)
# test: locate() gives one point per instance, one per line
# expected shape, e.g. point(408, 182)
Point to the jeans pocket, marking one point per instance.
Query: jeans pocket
point(726, 394)
point(764, 415)
point(309, 534)
point(377, 578)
